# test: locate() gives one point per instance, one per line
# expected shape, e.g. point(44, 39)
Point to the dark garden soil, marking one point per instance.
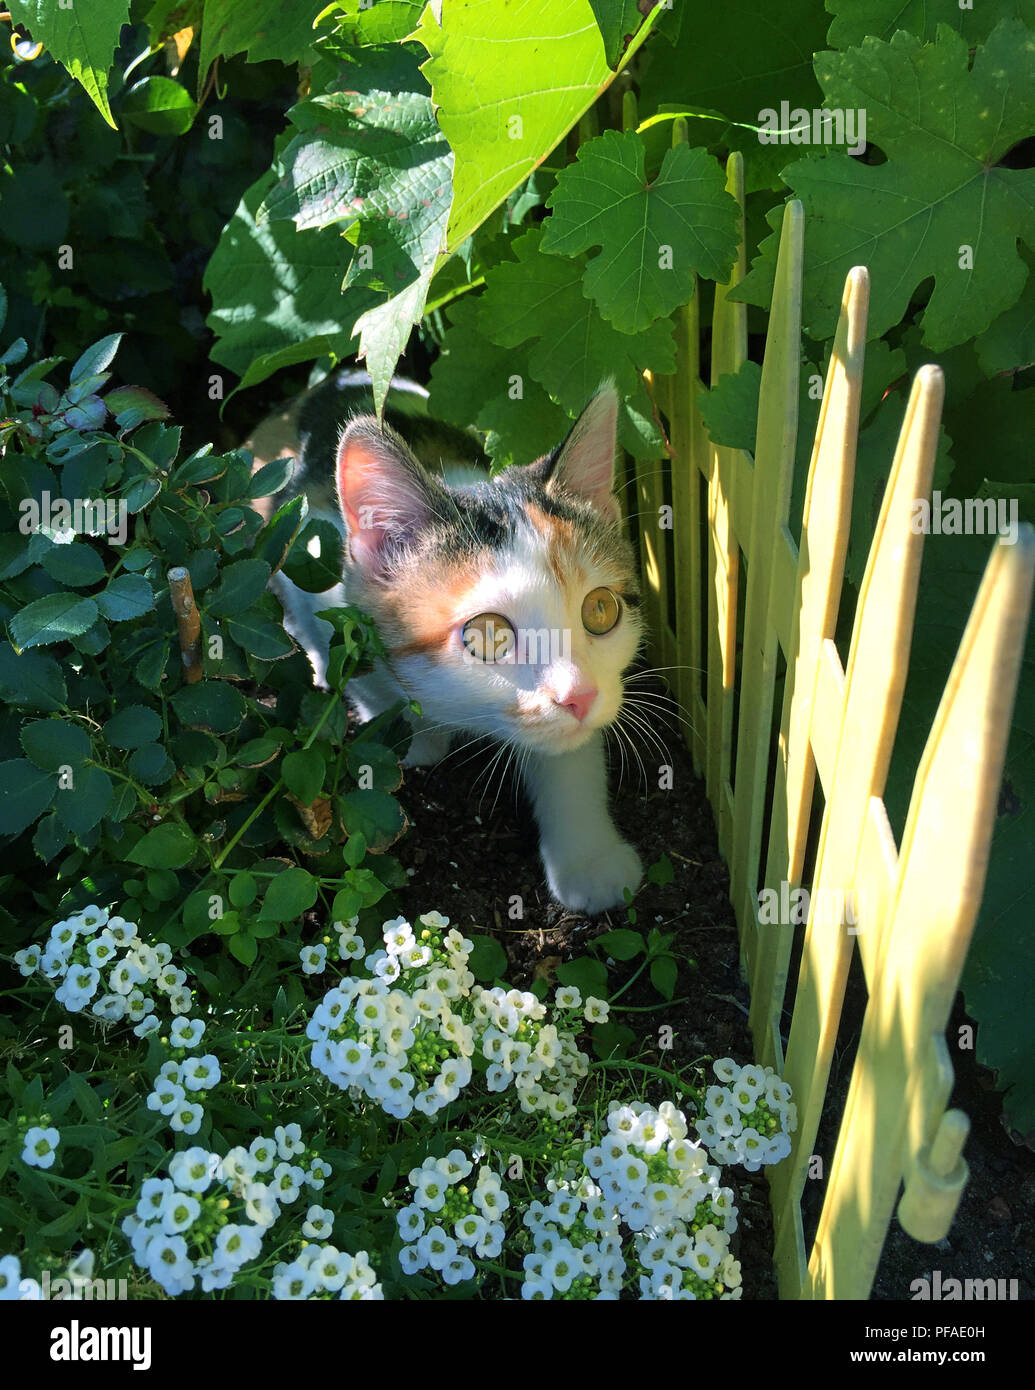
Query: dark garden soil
point(470, 856)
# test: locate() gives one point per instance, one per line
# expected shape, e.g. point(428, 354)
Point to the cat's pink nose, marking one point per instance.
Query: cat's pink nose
point(579, 702)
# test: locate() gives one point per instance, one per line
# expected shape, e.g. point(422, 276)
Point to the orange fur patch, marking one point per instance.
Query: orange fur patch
point(562, 544)
point(424, 605)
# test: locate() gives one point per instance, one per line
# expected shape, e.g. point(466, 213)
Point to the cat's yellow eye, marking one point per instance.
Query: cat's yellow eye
point(600, 611)
point(488, 637)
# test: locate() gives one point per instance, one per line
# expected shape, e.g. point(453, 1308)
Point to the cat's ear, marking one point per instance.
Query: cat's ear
point(585, 464)
point(384, 494)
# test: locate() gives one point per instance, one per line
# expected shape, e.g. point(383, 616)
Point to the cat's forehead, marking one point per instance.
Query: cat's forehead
point(518, 532)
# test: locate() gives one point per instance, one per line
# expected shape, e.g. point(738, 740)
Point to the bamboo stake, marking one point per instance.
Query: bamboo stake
point(188, 622)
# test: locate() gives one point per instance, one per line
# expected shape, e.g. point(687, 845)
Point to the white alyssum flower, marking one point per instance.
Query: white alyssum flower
point(10, 1277)
point(40, 1147)
point(313, 959)
point(318, 1223)
point(186, 1032)
point(749, 1118)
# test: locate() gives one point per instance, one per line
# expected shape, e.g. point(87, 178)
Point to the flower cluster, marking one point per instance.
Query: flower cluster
point(576, 1246)
point(75, 1283)
point(323, 1270)
point(408, 1034)
point(209, 1216)
point(522, 1048)
point(447, 1219)
point(349, 946)
point(188, 1075)
point(750, 1117)
point(663, 1189)
point(680, 1264)
point(653, 1174)
point(100, 960)
point(643, 1209)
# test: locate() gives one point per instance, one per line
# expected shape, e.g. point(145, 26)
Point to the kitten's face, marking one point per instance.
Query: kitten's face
point(507, 606)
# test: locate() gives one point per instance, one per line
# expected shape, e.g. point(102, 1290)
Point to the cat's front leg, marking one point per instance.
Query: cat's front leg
point(587, 862)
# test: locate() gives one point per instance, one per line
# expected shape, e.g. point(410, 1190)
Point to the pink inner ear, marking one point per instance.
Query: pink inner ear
point(586, 464)
point(380, 490)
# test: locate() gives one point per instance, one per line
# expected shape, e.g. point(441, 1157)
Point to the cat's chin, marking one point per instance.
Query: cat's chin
point(556, 742)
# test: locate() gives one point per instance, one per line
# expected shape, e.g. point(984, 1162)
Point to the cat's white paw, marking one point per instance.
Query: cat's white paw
point(427, 748)
point(594, 881)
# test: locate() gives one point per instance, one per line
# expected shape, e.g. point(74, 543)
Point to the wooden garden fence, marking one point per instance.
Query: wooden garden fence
point(909, 909)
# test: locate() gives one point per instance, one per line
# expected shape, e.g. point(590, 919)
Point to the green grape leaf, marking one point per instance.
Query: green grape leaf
point(370, 160)
point(83, 37)
point(617, 21)
point(874, 457)
point(941, 205)
point(384, 332)
point(276, 293)
point(508, 81)
point(1009, 342)
point(472, 372)
point(540, 298)
point(730, 409)
point(855, 19)
point(264, 29)
point(773, 64)
point(368, 154)
point(1020, 500)
point(997, 411)
point(653, 234)
point(160, 106)
point(358, 23)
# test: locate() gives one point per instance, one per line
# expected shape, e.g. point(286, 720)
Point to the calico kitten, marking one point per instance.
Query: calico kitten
point(508, 606)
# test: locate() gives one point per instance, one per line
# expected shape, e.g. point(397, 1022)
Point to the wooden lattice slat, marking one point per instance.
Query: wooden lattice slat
point(910, 915)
